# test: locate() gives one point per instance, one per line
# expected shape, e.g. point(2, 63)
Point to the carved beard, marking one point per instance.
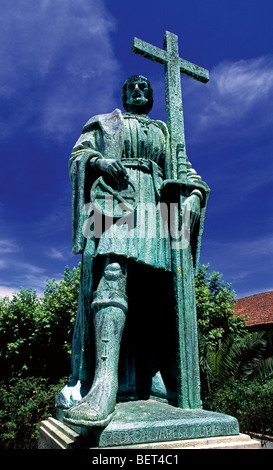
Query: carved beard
point(137, 108)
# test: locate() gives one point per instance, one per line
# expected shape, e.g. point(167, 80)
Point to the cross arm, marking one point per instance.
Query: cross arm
point(193, 71)
point(149, 52)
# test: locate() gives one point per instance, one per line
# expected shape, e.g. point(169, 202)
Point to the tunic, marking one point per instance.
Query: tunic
point(143, 236)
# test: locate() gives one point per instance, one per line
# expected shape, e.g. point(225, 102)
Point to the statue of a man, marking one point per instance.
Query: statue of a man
point(124, 344)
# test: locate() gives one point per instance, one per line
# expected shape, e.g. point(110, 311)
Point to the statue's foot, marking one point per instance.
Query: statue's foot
point(84, 414)
point(97, 407)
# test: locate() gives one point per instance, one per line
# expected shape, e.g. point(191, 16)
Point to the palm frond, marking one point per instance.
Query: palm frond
point(239, 358)
point(264, 369)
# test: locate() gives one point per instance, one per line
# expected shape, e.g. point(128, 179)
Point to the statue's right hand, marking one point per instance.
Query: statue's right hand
point(114, 168)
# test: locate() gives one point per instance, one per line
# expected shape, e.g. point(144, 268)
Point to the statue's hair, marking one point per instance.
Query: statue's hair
point(150, 103)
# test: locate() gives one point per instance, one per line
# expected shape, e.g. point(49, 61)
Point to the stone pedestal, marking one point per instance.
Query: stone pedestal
point(149, 425)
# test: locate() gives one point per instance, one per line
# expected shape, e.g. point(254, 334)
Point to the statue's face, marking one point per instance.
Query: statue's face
point(137, 94)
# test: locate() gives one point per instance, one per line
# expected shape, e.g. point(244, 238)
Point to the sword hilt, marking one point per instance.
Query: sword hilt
point(181, 162)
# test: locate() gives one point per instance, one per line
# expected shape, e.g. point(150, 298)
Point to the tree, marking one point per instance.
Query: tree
point(36, 334)
point(239, 381)
point(215, 309)
point(19, 332)
point(59, 307)
point(216, 322)
point(238, 359)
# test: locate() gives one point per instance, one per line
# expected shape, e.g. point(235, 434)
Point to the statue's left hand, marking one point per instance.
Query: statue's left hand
point(192, 204)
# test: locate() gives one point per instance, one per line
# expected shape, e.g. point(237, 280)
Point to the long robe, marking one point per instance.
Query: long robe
point(148, 363)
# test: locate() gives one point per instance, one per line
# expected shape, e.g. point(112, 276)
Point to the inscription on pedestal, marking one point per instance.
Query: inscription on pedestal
point(166, 433)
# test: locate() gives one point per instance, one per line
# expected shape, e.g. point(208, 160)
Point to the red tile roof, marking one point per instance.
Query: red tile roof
point(258, 307)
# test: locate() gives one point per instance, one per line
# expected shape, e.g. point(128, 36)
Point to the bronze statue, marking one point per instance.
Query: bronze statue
point(125, 338)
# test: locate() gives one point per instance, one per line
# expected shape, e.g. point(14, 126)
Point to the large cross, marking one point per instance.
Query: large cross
point(174, 66)
point(188, 391)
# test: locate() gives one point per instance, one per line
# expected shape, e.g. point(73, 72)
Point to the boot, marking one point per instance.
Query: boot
point(109, 313)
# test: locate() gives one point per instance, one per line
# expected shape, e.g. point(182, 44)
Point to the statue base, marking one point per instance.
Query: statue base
point(149, 425)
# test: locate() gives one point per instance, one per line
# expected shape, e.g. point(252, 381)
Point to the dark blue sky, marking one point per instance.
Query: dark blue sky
point(63, 61)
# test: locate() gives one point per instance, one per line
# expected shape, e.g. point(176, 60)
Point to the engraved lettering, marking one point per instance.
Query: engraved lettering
point(107, 438)
point(216, 429)
point(190, 431)
point(129, 437)
point(180, 432)
point(137, 435)
point(162, 435)
point(169, 434)
point(116, 439)
point(122, 437)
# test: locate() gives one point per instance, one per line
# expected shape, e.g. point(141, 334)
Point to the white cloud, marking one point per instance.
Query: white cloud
point(56, 57)
point(245, 79)
point(29, 268)
point(235, 91)
point(8, 291)
point(56, 254)
point(244, 248)
point(22, 274)
point(7, 246)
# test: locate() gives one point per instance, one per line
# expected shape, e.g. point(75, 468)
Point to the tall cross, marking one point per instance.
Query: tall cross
point(174, 66)
point(188, 391)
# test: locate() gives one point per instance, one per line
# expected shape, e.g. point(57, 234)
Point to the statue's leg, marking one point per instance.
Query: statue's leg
point(109, 311)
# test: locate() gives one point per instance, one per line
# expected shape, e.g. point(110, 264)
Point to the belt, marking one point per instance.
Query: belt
point(141, 164)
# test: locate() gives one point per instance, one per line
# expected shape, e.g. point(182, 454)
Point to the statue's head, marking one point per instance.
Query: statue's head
point(137, 95)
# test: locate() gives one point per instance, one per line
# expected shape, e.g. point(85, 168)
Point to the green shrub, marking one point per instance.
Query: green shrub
point(36, 334)
point(215, 302)
point(23, 405)
point(59, 307)
point(251, 404)
point(20, 320)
